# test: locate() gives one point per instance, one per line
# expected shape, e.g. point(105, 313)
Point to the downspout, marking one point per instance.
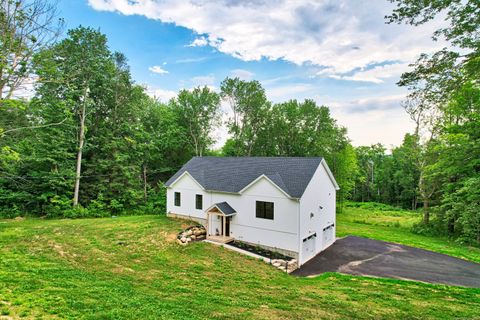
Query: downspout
point(299, 240)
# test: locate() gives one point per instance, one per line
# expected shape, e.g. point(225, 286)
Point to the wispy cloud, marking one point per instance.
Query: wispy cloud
point(158, 70)
point(286, 92)
point(376, 74)
point(365, 105)
point(242, 74)
point(192, 60)
point(204, 81)
point(372, 120)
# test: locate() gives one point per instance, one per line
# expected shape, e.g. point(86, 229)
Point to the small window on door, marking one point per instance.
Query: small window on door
point(198, 201)
point(264, 210)
point(177, 199)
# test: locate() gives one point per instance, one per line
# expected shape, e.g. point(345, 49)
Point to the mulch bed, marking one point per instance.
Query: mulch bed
point(258, 250)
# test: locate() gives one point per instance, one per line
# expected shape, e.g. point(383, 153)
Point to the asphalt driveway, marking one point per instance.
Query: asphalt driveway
point(366, 257)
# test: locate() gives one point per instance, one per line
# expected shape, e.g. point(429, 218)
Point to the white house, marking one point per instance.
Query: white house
point(285, 204)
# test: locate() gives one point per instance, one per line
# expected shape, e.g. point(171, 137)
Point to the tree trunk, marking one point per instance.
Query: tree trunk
point(426, 212)
point(145, 182)
point(81, 140)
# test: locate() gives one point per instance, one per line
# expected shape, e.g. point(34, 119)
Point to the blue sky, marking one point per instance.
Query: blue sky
point(339, 53)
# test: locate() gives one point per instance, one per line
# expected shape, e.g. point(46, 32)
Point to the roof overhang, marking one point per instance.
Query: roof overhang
point(221, 210)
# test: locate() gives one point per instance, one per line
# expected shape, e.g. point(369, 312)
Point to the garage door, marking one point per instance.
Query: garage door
point(328, 235)
point(308, 247)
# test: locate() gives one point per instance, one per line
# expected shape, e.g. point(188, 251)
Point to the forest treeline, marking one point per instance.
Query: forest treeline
point(92, 142)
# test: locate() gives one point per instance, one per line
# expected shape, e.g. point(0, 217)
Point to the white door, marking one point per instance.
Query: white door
point(308, 247)
point(327, 235)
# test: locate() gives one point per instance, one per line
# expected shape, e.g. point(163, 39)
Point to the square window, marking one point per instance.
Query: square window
point(264, 210)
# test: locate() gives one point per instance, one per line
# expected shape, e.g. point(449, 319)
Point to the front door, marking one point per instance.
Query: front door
point(227, 226)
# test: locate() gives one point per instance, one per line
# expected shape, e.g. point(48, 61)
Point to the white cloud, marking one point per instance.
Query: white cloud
point(161, 94)
point(191, 60)
point(339, 35)
point(376, 74)
point(372, 120)
point(158, 69)
point(242, 74)
point(198, 42)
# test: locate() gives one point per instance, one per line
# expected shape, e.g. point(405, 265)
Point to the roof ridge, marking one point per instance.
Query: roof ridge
point(232, 174)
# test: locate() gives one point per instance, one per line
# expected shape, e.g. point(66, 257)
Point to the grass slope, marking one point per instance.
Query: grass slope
point(131, 268)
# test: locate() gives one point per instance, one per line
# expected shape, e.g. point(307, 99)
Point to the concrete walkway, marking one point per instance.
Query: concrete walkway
point(360, 256)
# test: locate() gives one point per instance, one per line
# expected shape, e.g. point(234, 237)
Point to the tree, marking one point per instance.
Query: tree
point(249, 105)
point(26, 27)
point(199, 111)
point(444, 94)
point(436, 76)
point(75, 70)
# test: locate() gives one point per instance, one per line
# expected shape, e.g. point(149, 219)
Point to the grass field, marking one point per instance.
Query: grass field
point(132, 268)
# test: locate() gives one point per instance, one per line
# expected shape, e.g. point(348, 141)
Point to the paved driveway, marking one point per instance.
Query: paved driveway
point(360, 256)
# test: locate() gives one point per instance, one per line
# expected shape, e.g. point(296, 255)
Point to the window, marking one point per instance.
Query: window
point(198, 201)
point(264, 210)
point(177, 199)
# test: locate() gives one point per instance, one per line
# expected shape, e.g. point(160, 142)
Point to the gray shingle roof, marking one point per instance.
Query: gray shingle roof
point(225, 208)
point(232, 174)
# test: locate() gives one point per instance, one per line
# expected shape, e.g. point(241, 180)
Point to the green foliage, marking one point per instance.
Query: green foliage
point(131, 141)
point(445, 99)
point(389, 178)
point(375, 206)
point(199, 112)
point(25, 28)
point(249, 105)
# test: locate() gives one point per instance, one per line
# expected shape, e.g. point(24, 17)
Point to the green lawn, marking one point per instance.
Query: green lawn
point(132, 268)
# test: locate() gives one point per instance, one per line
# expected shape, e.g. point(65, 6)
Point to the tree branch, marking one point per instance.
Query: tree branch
point(35, 127)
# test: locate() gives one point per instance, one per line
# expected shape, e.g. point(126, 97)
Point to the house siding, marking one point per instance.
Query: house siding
point(281, 232)
point(319, 192)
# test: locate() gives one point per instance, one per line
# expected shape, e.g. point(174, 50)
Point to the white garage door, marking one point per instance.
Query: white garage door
point(327, 235)
point(308, 247)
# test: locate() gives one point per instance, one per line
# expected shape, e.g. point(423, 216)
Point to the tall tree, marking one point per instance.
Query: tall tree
point(199, 111)
point(249, 105)
point(75, 70)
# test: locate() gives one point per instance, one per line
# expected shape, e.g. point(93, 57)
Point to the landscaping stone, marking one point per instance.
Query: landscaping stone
point(191, 234)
